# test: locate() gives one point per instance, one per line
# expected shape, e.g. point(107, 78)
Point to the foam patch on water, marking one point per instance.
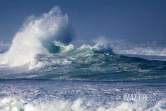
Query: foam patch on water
point(19, 104)
point(147, 49)
point(27, 95)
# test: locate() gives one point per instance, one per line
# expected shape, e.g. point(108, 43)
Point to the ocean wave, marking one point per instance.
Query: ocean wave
point(94, 63)
point(36, 37)
point(85, 63)
point(42, 49)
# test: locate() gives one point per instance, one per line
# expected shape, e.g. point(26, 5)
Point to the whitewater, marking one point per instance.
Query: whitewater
point(43, 70)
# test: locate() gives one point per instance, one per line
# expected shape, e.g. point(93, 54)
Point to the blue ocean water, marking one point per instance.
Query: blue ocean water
point(43, 71)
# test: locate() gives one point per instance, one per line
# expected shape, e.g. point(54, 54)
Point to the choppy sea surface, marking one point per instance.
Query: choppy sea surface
point(43, 71)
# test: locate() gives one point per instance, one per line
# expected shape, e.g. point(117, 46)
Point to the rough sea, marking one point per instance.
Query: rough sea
point(43, 71)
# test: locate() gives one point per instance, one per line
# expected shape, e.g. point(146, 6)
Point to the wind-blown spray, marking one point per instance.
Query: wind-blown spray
point(36, 37)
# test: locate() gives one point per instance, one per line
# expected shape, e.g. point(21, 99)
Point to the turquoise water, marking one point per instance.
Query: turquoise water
point(86, 64)
point(84, 80)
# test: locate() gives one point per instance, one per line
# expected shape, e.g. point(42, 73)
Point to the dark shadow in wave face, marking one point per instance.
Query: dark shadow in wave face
point(64, 36)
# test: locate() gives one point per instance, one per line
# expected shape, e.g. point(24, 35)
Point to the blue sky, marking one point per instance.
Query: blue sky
point(132, 20)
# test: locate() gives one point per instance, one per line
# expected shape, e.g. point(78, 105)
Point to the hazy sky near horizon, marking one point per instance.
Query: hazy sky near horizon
point(133, 20)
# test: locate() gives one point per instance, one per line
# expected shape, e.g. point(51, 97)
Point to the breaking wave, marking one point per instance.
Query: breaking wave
point(42, 49)
point(44, 71)
point(36, 37)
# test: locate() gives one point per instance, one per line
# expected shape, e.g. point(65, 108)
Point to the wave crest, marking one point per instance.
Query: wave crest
point(36, 37)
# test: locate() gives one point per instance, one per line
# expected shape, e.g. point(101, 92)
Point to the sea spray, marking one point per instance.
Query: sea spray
point(36, 37)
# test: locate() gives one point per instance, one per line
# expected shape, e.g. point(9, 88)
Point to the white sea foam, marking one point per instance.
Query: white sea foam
point(35, 37)
point(126, 47)
point(143, 51)
point(102, 45)
point(19, 104)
